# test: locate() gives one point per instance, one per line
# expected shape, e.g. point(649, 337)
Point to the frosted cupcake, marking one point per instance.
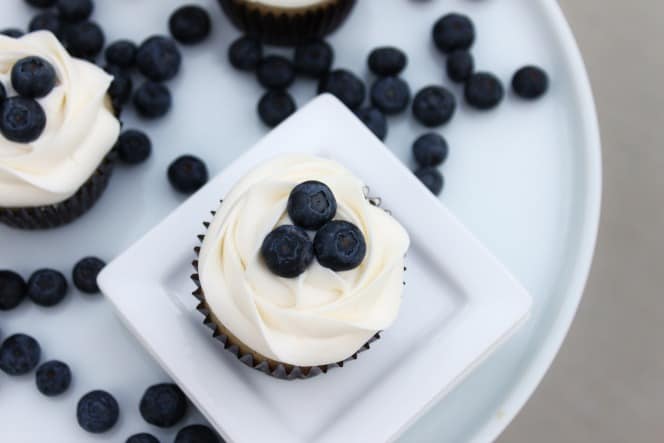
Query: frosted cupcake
point(299, 271)
point(57, 129)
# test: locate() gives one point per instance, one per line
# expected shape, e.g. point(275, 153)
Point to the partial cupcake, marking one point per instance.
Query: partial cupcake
point(57, 129)
point(299, 270)
point(287, 22)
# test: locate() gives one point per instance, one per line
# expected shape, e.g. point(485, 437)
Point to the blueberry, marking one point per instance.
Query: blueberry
point(245, 53)
point(53, 378)
point(85, 274)
point(158, 58)
point(19, 354)
point(483, 91)
point(387, 60)
point(453, 31)
point(12, 290)
point(311, 204)
point(152, 99)
point(287, 251)
point(434, 106)
point(75, 10)
point(275, 106)
point(460, 65)
point(530, 82)
point(133, 147)
point(374, 120)
point(430, 149)
point(121, 53)
point(142, 438)
point(314, 58)
point(190, 24)
point(187, 174)
point(47, 287)
point(33, 77)
point(84, 40)
point(121, 86)
point(22, 120)
point(345, 85)
point(41, 3)
point(163, 405)
point(97, 412)
point(197, 434)
point(431, 178)
point(12, 32)
point(46, 21)
point(3, 92)
point(340, 246)
point(275, 72)
point(390, 94)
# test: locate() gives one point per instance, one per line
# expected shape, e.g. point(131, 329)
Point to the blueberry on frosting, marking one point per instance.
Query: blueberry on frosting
point(311, 204)
point(340, 246)
point(22, 120)
point(287, 251)
point(33, 77)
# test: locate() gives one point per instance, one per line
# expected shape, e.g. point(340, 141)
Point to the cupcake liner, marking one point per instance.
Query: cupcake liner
point(288, 27)
point(58, 214)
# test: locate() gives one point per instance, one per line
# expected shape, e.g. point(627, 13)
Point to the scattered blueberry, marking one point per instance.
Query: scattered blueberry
point(390, 94)
point(142, 438)
point(374, 120)
point(158, 58)
point(46, 21)
point(387, 60)
point(19, 354)
point(22, 120)
point(12, 32)
point(314, 59)
point(163, 405)
point(431, 178)
point(47, 287)
point(3, 92)
point(311, 204)
point(41, 3)
point(340, 246)
point(121, 86)
point(275, 106)
point(97, 412)
point(121, 53)
point(53, 378)
point(75, 10)
point(187, 174)
point(530, 82)
point(245, 53)
point(275, 72)
point(197, 434)
point(287, 251)
point(460, 65)
point(133, 147)
point(33, 77)
point(345, 85)
point(12, 290)
point(85, 274)
point(190, 24)
point(483, 91)
point(434, 106)
point(430, 149)
point(453, 31)
point(84, 40)
point(152, 99)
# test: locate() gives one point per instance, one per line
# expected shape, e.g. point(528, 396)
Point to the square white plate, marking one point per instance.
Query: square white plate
point(459, 304)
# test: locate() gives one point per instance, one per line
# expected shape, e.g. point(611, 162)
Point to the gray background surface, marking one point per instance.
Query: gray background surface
point(607, 383)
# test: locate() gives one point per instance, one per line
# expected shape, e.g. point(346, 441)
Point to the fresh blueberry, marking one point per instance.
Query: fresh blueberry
point(187, 174)
point(275, 106)
point(460, 65)
point(197, 434)
point(390, 94)
point(133, 147)
point(12, 32)
point(3, 92)
point(345, 85)
point(190, 24)
point(431, 178)
point(47, 21)
point(121, 86)
point(314, 58)
point(12, 290)
point(22, 120)
point(33, 77)
point(275, 72)
point(311, 204)
point(374, 120)
point(121, 53)
point(434, 106)
point(142, 438)
point(53, 378)
point(41, 3)
point(85, 274)
point(19, 354)
point(75, 10)
point(84, 40)
point(47, 287)
point(163, 405)
point(97, 412)
point(245, 53)
point(387, 60)
point(453, 31)
point(158, 58)
point(152, 99)
point(340, 246)
point(430, 149)
point(483, 91)
point(287, 251)
point(530, 82)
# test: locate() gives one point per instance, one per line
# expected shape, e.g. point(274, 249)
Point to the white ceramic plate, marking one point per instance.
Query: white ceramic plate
point(524, 179)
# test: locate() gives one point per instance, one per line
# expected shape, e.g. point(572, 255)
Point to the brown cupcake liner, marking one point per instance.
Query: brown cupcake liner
point(288, 27)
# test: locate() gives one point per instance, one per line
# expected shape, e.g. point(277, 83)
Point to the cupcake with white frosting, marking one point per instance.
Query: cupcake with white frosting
point(298, 270)
point(57, 129)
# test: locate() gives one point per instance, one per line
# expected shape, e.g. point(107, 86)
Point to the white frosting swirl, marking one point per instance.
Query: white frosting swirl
point(80, 127)
point(322, 316)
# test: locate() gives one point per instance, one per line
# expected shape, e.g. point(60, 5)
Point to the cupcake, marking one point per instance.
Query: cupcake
point(57, 129)
point(299, 271)
point(287, 22)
